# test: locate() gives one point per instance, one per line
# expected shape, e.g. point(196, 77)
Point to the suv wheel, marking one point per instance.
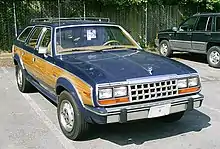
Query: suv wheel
point(172, 117)
point(71, 120)
point(213, 57)
point(164, 48)
point(23, 84)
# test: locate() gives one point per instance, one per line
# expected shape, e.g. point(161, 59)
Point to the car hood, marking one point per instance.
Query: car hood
point(120, 65)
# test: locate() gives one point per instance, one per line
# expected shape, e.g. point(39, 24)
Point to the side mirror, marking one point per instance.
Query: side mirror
point(175, 29)
point(42, 50)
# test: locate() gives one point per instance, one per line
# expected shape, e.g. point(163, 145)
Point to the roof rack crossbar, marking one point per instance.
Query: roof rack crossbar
point(69, 19)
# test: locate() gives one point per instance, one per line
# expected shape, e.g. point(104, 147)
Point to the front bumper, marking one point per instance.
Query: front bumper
point(141, 110)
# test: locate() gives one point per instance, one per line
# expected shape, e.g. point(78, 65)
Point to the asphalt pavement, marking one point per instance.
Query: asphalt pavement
point(30, 121)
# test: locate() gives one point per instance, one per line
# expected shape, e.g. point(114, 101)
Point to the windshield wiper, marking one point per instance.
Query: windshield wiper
point(114, 47)
point(75, 50)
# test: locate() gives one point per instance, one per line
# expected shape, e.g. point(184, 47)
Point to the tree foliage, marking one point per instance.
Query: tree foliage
point(29, 9)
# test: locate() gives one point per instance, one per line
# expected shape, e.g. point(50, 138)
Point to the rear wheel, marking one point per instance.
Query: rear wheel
point(71, 120)
point(213, 56)
point(164, 48)
point(23, 84)
point(172, 117)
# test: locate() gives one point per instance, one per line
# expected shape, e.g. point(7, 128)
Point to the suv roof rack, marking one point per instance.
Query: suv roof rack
point(50, 20)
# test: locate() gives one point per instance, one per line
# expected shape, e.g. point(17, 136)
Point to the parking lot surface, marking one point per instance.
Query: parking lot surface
point(30, 121)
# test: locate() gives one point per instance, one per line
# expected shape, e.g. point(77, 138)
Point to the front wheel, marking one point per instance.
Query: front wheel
point(71, 120)
point(213, 56)
point(164, 48)
point(23, 84)
point(172, 117)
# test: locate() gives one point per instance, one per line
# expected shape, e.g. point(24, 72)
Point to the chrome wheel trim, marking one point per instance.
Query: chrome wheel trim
point(214, 57)
point(164, 49)
point(20, 77)
point(66, 115)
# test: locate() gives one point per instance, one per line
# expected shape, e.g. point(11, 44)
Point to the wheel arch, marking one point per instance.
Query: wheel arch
point(211, 44)
point(161, 39)
point(17, 61)
point(63, 84)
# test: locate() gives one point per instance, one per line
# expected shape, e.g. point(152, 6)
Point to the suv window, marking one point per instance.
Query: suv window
point(188, 24)
point(34, 38)
point(23, 36)
point(209, 26)
point(46, 41)
point(217, 24)
point(201, 25)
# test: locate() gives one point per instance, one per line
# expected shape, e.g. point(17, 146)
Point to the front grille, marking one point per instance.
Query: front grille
point(150, 91)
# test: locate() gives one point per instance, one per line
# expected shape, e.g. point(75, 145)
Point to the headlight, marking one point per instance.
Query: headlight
point(120, 91)
point(105, 93)
point(193, 81)
point(182, 83)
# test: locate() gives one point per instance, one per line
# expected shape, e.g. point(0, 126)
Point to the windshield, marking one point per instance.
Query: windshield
point(91, 38)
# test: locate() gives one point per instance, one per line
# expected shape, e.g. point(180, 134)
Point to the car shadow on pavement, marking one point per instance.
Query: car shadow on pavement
point(141, 131)
point(201, 58)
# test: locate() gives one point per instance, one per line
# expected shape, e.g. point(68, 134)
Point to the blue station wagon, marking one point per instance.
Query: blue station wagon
point(97, 74)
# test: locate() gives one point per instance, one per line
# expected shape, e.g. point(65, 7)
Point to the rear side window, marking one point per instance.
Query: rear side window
point(46, 41)
point(217, 24)
point(34, 38)
point(201, 25)
point(23, 36)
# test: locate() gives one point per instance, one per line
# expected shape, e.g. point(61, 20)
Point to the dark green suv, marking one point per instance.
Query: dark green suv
point(197, 34)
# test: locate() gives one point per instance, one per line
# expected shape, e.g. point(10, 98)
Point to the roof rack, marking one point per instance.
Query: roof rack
point(69, 19)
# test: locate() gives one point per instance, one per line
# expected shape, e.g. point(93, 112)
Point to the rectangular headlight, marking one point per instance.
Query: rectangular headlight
point(193, 81)
point(120, 91)
point(182, 83)
point(105, 93)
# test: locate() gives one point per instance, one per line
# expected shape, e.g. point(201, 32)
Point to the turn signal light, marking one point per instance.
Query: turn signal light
point(188, 90)
point(113, 101)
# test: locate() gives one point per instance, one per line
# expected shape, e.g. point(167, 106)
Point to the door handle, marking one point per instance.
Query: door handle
point(22, 53)
point(34, 59)
point(208, 34)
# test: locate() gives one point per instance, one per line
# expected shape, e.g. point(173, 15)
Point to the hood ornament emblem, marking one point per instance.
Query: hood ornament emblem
point(150, 69)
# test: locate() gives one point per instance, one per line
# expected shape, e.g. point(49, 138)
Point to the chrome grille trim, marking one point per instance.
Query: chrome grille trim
point(153, 90)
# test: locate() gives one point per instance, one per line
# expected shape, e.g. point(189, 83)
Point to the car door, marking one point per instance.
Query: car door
point(182, 37)
point(31, 45)
point(44, 62)
point(202, 34)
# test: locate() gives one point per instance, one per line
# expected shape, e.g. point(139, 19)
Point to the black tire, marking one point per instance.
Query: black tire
point(80, 126)
point(24, 85)
point(172, 117)
point(165, 52)
point(214, 62)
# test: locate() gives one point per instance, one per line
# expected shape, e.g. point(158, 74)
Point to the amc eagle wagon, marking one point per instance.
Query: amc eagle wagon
point(97, 74)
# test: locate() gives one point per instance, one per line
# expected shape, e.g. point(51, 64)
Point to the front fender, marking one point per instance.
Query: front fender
point(67, 85)
point(18, 60)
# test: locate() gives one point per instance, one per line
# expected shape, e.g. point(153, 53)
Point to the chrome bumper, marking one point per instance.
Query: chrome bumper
point(141, 111)
point(137, 111)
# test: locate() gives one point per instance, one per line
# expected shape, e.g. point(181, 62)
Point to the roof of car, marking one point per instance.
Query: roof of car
point(66, 22)
point(206, 14)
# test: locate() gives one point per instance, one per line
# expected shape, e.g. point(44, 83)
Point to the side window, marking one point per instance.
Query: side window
point(188, 24)
point(23, 36)
point(46, 41)
point(209, 25)
point(217, 24)
point(34, 38)
point(201, 25)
